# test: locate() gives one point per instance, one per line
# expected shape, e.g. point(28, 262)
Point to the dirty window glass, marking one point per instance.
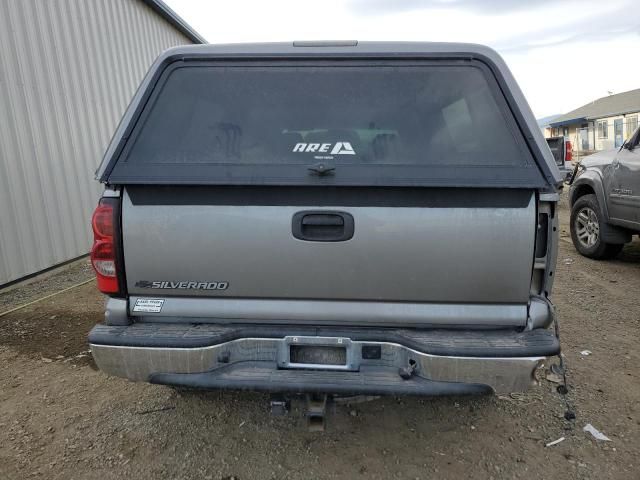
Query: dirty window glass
point(355, 115)
point(429, 123)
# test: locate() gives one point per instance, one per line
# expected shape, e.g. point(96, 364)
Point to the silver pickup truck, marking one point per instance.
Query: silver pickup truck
point(327, 217)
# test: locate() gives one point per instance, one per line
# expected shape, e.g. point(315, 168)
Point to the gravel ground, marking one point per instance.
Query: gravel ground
point(46, 284)
point(62, 419)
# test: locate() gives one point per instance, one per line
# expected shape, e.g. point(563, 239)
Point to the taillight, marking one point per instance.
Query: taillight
point(568, 151)
point(103, 252)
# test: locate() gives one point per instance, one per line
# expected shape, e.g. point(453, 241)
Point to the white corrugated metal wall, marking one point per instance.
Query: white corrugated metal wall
point(68, 69)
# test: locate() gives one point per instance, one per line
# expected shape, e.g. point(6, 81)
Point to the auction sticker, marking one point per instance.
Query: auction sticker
point(148, 305)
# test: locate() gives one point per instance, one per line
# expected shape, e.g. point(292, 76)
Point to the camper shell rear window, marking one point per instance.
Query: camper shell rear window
point(413, 123)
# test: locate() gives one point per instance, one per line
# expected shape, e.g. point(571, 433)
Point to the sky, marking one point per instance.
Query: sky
point(563, 53)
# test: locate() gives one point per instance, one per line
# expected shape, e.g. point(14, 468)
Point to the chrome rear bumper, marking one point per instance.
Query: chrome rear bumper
point(249, 356)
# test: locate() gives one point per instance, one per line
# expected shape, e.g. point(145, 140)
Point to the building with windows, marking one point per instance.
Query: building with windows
point(600, 125)
point(68, 69)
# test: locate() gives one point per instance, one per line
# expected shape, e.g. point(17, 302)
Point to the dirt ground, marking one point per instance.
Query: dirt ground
point(62, 419)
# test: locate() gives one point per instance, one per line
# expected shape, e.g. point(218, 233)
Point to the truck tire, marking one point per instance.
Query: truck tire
point(586, 225)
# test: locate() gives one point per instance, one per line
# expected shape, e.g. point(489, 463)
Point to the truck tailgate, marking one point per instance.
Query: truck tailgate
point(435, 246)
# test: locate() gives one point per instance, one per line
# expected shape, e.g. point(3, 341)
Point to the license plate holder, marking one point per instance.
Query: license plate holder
point(316, 353)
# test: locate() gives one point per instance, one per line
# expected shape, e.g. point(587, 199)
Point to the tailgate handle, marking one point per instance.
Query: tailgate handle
point(319, 219)
point(322, 226)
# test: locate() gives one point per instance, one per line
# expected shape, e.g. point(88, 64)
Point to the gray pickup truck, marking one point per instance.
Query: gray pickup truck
point(328, 218)
point(605, 200)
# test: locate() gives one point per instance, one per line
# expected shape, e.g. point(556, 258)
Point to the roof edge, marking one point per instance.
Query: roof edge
point(567, 121)
point(588, 118)
point(614, 114)
point(580, 114)
point(174, 19)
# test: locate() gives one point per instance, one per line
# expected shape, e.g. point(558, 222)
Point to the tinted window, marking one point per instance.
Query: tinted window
point(247, 123)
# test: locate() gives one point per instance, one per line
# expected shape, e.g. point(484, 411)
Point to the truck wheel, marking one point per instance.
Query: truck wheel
point(586, 225)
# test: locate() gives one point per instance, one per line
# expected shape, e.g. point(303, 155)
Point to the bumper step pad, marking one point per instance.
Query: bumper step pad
point(264, 376)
